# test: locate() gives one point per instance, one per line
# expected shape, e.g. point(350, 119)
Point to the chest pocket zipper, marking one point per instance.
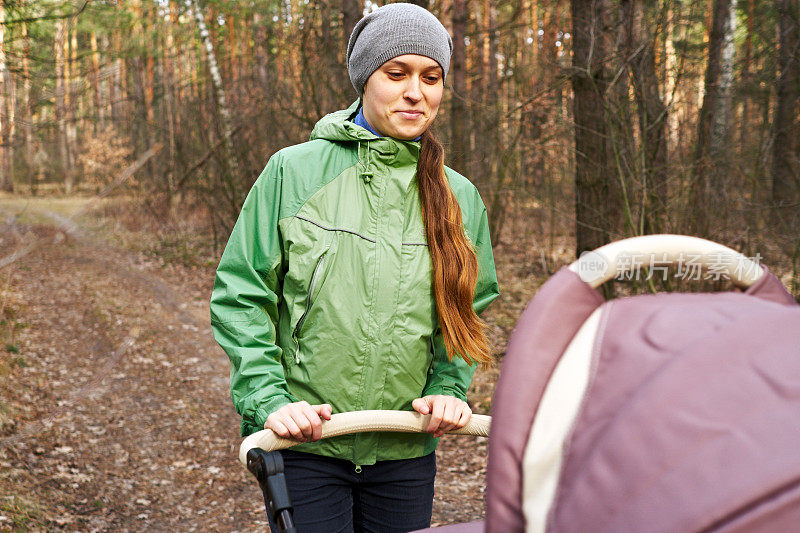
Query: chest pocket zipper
point(309, 301)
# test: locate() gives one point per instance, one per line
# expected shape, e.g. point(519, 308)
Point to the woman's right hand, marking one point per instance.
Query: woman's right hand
point(300, 421)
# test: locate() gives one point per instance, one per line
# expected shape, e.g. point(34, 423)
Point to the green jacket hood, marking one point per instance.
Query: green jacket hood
point(338, 127)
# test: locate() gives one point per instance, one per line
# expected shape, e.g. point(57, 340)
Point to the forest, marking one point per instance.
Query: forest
point(132, 130)
point(593, 119)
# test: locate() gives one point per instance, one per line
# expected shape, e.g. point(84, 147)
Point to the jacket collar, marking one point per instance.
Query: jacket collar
point(339, 127)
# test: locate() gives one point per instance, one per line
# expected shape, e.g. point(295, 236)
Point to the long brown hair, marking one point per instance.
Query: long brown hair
point(455, 266)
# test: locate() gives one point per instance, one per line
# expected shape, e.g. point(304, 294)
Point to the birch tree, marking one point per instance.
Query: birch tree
point(224, 113)
point(710, 162)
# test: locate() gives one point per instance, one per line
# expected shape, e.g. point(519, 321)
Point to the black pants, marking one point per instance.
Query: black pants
point(331, 496)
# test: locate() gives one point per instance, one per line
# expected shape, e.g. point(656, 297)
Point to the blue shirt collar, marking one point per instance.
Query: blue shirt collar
point(359, 120)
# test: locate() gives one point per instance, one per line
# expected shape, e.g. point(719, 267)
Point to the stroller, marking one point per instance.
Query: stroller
point(654, 413)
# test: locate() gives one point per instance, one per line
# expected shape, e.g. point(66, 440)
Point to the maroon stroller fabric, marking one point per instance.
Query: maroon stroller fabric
point(689, 419)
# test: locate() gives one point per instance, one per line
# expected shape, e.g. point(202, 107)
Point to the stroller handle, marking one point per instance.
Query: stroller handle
point(620, 257)
point(360, 422)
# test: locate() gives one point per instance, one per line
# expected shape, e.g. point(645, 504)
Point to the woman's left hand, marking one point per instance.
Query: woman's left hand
point(447, 412)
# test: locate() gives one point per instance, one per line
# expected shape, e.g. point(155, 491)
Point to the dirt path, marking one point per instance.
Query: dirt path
point(116, 413)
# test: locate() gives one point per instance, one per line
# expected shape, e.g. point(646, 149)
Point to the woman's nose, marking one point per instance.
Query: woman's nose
point(413, 90)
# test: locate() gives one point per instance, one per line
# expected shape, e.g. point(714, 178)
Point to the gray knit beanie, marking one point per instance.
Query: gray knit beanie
point(391, 31)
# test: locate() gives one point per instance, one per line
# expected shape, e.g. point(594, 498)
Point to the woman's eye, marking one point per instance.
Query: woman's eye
point(432, 79)
point(395, 74)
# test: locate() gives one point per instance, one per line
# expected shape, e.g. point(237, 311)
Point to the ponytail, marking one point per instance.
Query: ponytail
point(455, 266)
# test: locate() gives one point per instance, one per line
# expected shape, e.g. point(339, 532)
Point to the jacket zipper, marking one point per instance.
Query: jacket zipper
point(299, 325)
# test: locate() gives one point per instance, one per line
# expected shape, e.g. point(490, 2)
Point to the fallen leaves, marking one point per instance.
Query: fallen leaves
point(123, 421)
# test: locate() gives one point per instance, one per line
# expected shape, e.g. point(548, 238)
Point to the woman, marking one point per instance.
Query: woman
point(352, 280)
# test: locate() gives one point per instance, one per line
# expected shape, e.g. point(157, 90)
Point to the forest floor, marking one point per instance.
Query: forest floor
point(114, 406)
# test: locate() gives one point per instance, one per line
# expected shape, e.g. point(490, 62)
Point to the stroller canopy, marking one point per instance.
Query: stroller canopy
point(668, 412)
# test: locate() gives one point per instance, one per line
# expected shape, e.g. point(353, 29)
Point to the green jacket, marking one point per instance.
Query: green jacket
point(323, 292)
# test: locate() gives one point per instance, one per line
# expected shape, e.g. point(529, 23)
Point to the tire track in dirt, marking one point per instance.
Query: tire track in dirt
point(156, 290)
point(133, 425)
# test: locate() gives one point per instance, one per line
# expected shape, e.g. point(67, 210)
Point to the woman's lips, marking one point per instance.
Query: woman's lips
point(410, 115)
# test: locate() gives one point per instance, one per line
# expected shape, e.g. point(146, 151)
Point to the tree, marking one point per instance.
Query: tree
point(223, 111)
point(62, 103)
point(458, 121)
point(7, 106)
point(710, 163)
point(597, 207)
point(786, 162)
point(350, 16)
point(653, 130)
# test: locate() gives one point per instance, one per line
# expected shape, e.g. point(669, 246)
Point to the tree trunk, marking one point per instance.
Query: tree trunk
point(115, 81)
point(75, 108)
point(337, 86)
point(747, 78)
point(27, 112)
point(533, 45)
point(233, 73)
point(6, 160)
point(458, 116)
point(671, 80)
point(223, 112)
point(169, 102)
point(350, 15)
point(11, 126)
point(652, 114)
point(549, 57)
point(61, 104)
point(98, 95)
point(150, 64)
point(596, 208)
point(710, 162)
point(491, 39)
point(178, 65)
point(486, 165)
point(261, 53)
point(786, 166)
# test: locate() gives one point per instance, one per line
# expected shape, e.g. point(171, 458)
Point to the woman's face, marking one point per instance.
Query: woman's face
point(402, 97)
